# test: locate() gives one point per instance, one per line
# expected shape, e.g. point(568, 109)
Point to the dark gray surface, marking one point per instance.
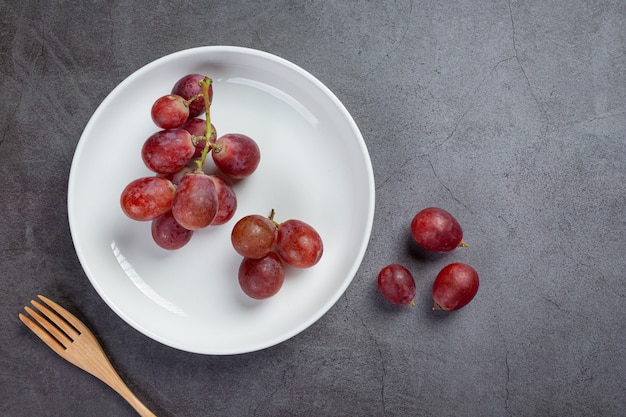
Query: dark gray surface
point(510, 114)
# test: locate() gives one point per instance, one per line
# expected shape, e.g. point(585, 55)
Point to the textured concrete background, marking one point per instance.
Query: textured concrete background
point(509, 114)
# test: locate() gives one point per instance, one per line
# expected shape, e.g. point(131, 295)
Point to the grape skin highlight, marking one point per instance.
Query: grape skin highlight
point(299, 244)
point(396, 284)
point(254, 236)
point(261, 278)
point(168, 233)
point(455, 286)
point(436, 230)
point(195, 201)
point(236, 155)
point(227, 201)
point(147, 198)
point(170, 111)
point(189, 87)
point(168, 151)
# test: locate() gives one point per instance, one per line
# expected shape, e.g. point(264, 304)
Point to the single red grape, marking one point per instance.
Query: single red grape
point(298, 244)
point(189, 87)
point(147, 198)
point(170, 111)
point(437, 230)
point(195, 201)
point(227, 201)
point(254, 236)
point(396, 284)
point(261, 278)
point(168, 151)
point(236, 155)
point(455, 286)
point(168, 233)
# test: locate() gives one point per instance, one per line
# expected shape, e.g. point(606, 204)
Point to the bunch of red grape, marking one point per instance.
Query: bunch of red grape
point(436, 230)
point(265, 244)
point(180, 197)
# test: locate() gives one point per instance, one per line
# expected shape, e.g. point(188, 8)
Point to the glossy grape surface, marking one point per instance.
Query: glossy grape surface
point(436, 230)
point(170, 111)
point(254, 236)
point(299, 244)
point(396, 284)
point(236, 155)
point(168, 233)
point(188, 87)
point(455, 286)
point(168, 151)
point(261, 278)
point(195, 201)
point(227, 201)
point(147, 198)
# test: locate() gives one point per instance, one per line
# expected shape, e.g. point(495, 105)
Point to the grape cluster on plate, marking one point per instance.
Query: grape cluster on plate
point(436, 230)
point(265, 244)
point(180, 197)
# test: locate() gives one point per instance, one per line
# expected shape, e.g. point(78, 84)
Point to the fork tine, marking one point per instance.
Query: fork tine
point(57, 319)
point(62, 338)
point(69, 317)
point(42, 334)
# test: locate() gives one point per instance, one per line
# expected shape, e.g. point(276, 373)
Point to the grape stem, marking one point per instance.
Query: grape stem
point(194, 98)
point(205, 84)
point(271, 217)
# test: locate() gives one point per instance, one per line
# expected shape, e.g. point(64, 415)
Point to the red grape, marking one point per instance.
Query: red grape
point(254, 236)
point(455, 286)
point(396, 284)
point(236, 155)
point(197, 128)
point(147, 198)
point(227, 201)
point(170, 111)
point(437, 230)
point(168, 233)
point(168, 151)
point(195, 201)
point(189, 87)
point(261, 278)
point(298, 244)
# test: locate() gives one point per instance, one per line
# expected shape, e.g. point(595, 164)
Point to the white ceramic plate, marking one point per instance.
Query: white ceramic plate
point(314, 167)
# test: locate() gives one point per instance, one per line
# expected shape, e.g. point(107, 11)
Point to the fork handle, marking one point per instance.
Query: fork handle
point(102, 369)
point(120, 387)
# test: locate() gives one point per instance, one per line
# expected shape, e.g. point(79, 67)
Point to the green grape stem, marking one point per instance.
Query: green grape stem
point(206, 83)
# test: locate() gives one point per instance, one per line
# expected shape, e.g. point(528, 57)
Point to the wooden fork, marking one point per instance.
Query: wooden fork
point(74, 342)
